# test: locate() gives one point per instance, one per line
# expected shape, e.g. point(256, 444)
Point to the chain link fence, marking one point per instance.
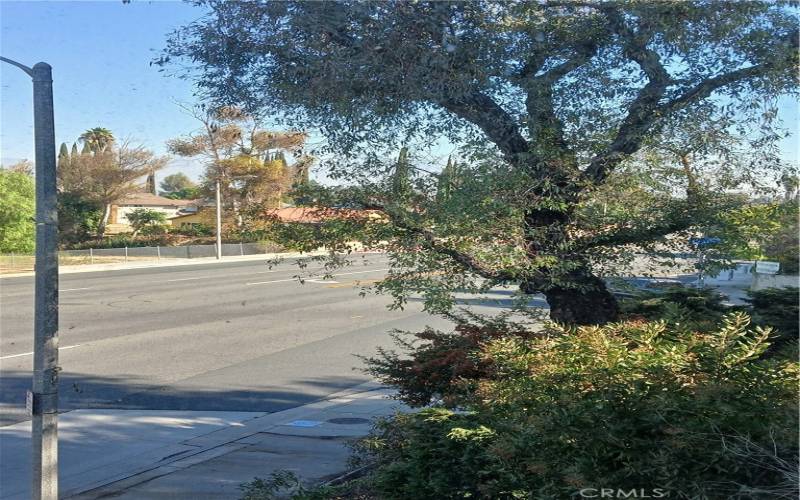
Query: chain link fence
point(10, 263)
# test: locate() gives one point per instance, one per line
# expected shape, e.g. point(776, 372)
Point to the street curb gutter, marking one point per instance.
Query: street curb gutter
point(212, 445)
point(92, 268)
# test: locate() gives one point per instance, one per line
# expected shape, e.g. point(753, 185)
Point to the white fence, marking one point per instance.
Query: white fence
point(21, 262)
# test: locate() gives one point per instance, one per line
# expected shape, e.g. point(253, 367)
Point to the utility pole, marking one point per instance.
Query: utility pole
point(42, 401)
point(218, 203)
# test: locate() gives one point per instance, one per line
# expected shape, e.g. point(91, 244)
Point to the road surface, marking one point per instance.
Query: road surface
point(234, 336)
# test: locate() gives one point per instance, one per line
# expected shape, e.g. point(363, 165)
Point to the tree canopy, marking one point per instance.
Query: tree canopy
point(17, 228)
point(96, 139)
point(178, 186)
point(547, 100)
point(247, 160)
point(103, 176)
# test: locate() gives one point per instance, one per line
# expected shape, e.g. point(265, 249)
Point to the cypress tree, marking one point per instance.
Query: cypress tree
point(63, 155)
point(74, 153)
point(401, 183)
point(445, 185)
point(150, 186)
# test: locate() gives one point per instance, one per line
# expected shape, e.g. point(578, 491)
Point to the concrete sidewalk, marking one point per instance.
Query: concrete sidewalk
point(195, 455)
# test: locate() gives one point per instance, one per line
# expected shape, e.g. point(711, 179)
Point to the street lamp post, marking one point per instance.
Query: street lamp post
point(42, 401)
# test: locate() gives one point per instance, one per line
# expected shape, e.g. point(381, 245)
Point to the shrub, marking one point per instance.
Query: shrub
point(145, 218)
point(627, 405)
point(701, 307)
point(193, 230)
point(440, 365)
point(777, 308)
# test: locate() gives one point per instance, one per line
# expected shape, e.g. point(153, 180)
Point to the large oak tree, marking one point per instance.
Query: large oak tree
point(564, 92)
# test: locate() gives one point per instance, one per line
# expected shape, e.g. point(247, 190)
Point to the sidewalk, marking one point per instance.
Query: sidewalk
point(168, 262)
point(131, 454)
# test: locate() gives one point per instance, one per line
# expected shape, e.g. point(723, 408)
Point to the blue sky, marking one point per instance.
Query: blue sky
point(101, 52)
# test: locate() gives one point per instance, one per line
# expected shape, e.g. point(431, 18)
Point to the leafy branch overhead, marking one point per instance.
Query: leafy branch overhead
point(557, 96)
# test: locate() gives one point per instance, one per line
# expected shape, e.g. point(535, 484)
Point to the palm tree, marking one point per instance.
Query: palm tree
point(97, 139)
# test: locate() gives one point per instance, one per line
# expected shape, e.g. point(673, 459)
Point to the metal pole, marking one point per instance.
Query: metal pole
point(217, 197)
point(158, 253)
point(91, 256)
point(45, 347)
point(126, 254)
point(241, 248)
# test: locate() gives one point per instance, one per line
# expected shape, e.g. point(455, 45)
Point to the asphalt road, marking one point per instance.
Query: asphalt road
point(234, 336)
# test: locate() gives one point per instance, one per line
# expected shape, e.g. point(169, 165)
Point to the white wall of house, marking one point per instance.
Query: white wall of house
point(124, 210)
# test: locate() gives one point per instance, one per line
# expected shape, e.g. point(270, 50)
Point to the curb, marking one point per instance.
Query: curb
point(90, 268)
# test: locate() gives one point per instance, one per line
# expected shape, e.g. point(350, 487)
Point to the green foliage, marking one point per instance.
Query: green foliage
point(78, 219)
point(142, 218)
point(123, 240)
point(436, 365)
point(17, 227)
point(178, 186)
point(187, 193)
point(546, 103)
point(777, 308)
point(198, 229)
point(286, 485)
point(700, 308)
point(761, 232)
point(625, 405)
point(783, 245)
point(97, 139)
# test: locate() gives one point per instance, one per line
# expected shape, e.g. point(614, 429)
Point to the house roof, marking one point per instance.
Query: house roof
point(315, 214)
point(149, 199)
point(183, 215)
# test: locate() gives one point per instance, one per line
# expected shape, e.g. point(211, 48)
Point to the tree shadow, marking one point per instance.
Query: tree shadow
point(129, 392)
point(157, 423)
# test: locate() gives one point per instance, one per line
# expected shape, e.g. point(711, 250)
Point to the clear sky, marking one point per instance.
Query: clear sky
point(101, 52)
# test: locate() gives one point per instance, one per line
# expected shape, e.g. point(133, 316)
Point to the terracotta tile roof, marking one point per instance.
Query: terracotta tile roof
point(149, 199)
point(314, 214)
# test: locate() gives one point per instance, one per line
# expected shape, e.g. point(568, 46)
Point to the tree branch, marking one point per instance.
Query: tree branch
point(642, 235)
point(430, 241)
point(643, 114)
point(493, 120)
point(642, 111)
point(545, 126)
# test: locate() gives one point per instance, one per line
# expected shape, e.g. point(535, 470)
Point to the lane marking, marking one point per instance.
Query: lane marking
point(188, 279)
point(275, 281)
point(73, 289)
point(354, 283)
point(312, 281)
point(30, 353)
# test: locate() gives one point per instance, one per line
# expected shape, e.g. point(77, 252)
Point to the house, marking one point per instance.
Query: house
point(201, 215)
point(118, 220)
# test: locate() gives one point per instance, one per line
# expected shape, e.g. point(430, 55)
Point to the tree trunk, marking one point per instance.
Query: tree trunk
point(574, 294)
point(587, 301)
point(101, 227)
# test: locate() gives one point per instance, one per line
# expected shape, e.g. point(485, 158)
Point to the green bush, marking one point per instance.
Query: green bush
point(439, 365)
point(702, 308)
point(623, 406)
point(777, 308)
point(193, 230)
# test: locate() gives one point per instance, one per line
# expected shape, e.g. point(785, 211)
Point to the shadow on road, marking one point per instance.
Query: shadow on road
point(128, 392)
